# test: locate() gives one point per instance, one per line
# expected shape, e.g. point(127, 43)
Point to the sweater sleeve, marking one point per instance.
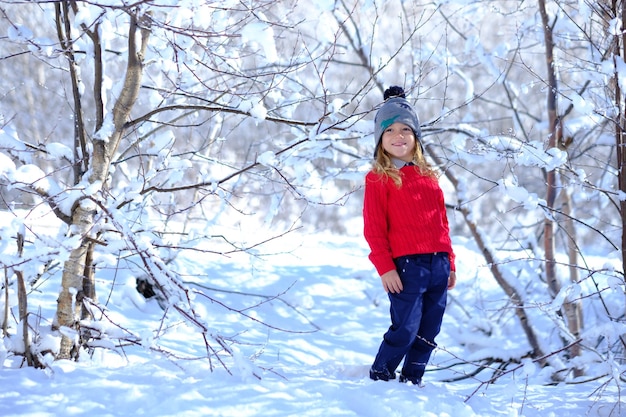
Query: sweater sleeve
point(375, 223)
point(451, 255)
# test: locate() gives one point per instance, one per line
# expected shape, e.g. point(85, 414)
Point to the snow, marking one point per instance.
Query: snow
point(316, 315)
point(519, 194)
point(18, 33)
point(59, 150)
point(293, 325)
point(261, 33)
point(267, 158)
point(7, 166)
point(256, 110)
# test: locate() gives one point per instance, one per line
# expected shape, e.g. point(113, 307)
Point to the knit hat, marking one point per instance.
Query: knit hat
point(395, 109)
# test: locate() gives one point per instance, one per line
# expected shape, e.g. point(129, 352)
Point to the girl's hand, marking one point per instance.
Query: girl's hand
point(391, 281)
point(451, 280)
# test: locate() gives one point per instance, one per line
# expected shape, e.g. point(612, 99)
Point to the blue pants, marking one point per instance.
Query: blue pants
point(416, 314)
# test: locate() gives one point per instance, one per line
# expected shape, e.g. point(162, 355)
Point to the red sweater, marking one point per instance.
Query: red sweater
point(404, 221)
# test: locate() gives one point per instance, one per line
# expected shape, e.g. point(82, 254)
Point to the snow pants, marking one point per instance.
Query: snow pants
point(416, 314)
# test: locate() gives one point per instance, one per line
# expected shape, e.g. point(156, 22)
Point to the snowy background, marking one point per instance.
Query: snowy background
point(274, 308)
point(323, 312)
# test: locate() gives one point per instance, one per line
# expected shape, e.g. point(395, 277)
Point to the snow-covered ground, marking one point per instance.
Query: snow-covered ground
point(305, 353)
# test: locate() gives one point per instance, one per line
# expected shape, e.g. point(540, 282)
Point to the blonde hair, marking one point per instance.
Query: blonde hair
point(384, 166)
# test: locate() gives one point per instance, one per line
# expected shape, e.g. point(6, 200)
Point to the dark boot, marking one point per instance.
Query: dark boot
point(384, 375)
point(415, 381)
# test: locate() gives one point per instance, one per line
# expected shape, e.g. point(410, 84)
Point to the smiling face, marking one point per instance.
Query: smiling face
point(398, 141)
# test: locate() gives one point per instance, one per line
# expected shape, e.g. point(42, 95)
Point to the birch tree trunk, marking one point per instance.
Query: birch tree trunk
point(554, 132)
point(84, 212)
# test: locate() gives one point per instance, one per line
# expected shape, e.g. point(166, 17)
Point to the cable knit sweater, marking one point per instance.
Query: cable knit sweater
point(404, 221)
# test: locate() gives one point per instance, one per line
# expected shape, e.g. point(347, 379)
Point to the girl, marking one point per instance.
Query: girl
point(406, 227)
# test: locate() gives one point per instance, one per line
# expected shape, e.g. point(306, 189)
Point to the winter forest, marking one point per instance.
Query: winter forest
point(181, 190)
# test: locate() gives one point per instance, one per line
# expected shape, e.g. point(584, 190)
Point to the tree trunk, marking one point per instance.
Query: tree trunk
point(5, 313)
point(77, 269)
point(64, 30)
point(22, 301)
point(553, 139)
point(620, 138)
point(89, 281)
point(572, 310)
point(67, 317)
point(572, 307)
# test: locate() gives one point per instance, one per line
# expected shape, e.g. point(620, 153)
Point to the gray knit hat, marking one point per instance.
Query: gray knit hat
point(395, 109)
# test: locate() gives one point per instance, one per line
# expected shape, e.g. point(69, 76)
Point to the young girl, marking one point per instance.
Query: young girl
point(406, 227)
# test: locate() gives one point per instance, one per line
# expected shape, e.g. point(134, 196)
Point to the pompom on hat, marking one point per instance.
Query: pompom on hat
point(396, 108)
